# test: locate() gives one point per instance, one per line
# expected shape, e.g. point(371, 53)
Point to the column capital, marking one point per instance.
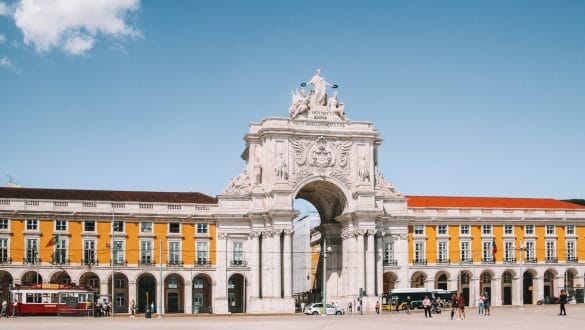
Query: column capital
point(372, 232)
point(361, 232)
point(288, 231)
point(255, 234)
point(222, 235)
point(347, 233)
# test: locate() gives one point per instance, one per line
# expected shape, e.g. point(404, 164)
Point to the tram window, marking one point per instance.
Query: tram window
point(38, 298)
point(45, 298)
point(54, 298)
point(29, 298)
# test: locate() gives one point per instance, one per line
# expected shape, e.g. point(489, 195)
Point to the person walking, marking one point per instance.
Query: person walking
point(461, 307)
point(4, 308)
point(377, 307)
point(427, 306)
point(562, 302)
point(408, 305)
point(480, 304)
point(14, 308)
point(486, 304)
point(453, 305)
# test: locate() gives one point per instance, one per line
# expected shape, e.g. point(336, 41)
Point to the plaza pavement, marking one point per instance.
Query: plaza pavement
point(532, 318)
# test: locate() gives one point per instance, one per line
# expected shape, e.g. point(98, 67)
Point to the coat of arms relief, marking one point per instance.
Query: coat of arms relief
point(321, 157)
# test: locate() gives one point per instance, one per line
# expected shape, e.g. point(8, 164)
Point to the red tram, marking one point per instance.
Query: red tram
point(52, 299)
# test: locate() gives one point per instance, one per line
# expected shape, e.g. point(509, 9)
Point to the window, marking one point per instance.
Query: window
point(202, 253)
point(442, 252)
point(31, 224)
point(3, 250)
point(508, 251)
point(419, 229)
point(89, 225)
point(61, 225)
point(442, 230)
point(487, 252)
point(550, 229)
point(146, 227)
point(60, 254)
point(89, 252)
point(529, 230)
point(174, 253)
point(464, 229)
point(530, 251)
point(486, 229)
point(508, 230)
point(31, 250)
point(388, 252)
point(419, 252)
point(551, 252)
point(120, 299)
point(118, 252)
point(201, 228)
point(238, 251)
point(198, 283)
point(174, 228)
point(118, 226)
point(120, 282)
point(3, 223)
point(146, 252)
point(465, 251)
point(571, 250)
point(172, 283)
point(570, 229)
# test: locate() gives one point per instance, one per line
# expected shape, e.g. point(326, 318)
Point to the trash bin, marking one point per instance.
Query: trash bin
point(147, 313)
point(196, 309)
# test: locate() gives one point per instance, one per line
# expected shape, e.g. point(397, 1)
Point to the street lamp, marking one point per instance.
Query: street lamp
point(326, 250)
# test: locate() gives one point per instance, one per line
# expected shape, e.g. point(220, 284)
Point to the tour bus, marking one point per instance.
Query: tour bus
point(397, 299)
point(52, 299)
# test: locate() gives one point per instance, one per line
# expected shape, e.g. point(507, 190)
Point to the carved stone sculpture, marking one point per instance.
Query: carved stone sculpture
point(386, 188)
point(363, 170)
point(239, 185)
point(281, 169)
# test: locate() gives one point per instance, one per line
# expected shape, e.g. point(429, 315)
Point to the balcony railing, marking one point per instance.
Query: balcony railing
point(551, 260)
point(89, 262)
point(443, 261)
point(466, 261)
point(419, 262)
point(488, 260)
point(572, 259)
point(5, 261)
point(60, 261)
point(31, 261)
point(175, 263)
point(531, 260)
point(120, 263)
point(238, 263)
point(202, 263)
point(146, 263)
point(390, 263)
point(509, 260)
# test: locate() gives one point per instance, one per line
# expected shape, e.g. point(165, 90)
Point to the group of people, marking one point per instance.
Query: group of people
point(4, 312)
point(103, 309)
point(458, 306)
point(483, 304)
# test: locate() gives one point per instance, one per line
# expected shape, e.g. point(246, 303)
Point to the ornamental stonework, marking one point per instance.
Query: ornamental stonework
point(321, 156)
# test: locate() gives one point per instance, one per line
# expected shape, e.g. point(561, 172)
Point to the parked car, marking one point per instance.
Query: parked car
point(317, 309)
point(548, 301)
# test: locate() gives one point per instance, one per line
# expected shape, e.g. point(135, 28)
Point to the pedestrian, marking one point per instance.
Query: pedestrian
point(14, 308)
point(349, 305)
point(427, 306)
point(302, 307)
point(480, 304)
point(563, 301)
point(377, 306)
point(408, 305)
point(486, 304)
point(453, 305)
point(4, 308)
point(461, 307)
point(133, 308)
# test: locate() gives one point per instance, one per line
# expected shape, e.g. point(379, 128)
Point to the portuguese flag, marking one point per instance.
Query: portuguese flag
point(53, 240)
point(494, 247)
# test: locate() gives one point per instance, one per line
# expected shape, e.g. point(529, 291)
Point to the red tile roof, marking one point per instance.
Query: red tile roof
point(107, 195)
point(489, 202)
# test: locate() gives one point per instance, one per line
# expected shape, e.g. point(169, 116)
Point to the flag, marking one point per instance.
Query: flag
point(494, 247)
point(53, 241)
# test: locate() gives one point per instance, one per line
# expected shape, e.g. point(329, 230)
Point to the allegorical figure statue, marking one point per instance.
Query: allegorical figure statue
point(281, 169)
point(319, 93)
point(336, 107)
point(299, 104)
point(363, 171)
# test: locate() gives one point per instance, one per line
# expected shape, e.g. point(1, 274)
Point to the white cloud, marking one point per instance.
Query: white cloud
point(75, 25)
point(2, 38)
point(3, 9)
point(116, 47)
point(6, 63)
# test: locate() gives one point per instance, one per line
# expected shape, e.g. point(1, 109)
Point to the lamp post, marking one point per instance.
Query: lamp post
point(325, 252)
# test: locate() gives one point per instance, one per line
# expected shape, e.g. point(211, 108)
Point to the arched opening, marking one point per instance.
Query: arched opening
point(389, 281)
point(527, 289)
point(30, 278)
point(201, 294)
point(549, 284)
point(236, 294)
point(6, 281)
point(319, 204)
point(441, 281)
point(418, 280)
point(485, 283)
point(507, 288)
point(146, 291)
point(120, 300)
point(91, 280)
point(175, 293)
point(574, 290)
point(464, 280)
point(61, 278)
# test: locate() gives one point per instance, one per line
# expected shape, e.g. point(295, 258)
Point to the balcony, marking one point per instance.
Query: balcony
point(5, 261)
point(175, 263)
point(572, 260)
point(89, 262)
point(146, 263)
point(551, 260)
point(202, 263)
point(390, 263)
point(531, 260)
point(419, 262)
point(31, 261)
point(509, 260)
point(443, 261)
point(488, 260)
point(119, 263)
point(60, 261)
point(238, 263)
point(466, 261)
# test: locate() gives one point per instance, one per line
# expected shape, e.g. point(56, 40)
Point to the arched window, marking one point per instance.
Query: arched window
point(464, 278)
point(198, 283)
point(486, 278)
point(507, 277)
point(173, 283)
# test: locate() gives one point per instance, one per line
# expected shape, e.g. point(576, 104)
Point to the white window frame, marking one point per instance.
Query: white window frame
point(202, 228)
point(509, 251)
point(32, 224)
point(442, 251)
point(487, 229)
point(530, 252)
point(389, 251)
point(464, 230)
point(419, 251)
point(550, 230)
point(118, 226)
point(174, 257)
point(59, 223)
point(442, 230)
point(528, 230)
point(487, 250)
point(570, 230)
point(32, 250)
point(174, 223)
point(509, 230)
point(202, 255)
point(465, 251)
point(571, 249)
point(60, 252)
point(550, 249)
point(238, 252)
point(4, 221)
point(85, 224)
point(146, 252)
point(4, 250)
point(89, 255)
point(419, 230)
point(146, 227)
point(118, 252)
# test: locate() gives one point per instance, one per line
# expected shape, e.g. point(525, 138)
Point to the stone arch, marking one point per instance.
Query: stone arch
point(6, 282)
point(329, 196)
point(90, 280)
point(571, 275)
point(174, 293)
point(442, 280)
point(507, 285)
point(237, 293)
point(485, 283)
point(464, 284)
point(202, 293)
point(549, 281)
point(389, 281)
point(60, 277)
point(145, 291)
point(31, 277)
point(528, 285)
point(120, 299)
point(418, 280)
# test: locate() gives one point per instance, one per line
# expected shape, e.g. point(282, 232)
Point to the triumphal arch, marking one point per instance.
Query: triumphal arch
point(318, 154)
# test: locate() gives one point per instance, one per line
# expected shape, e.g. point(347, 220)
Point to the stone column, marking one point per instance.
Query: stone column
point(132, 296)
point(266, 264)
point(276, 265)
point(360, 259)
point(345, 263)
point(220, 305)
point(253, 259)
point(287, 269)
point(496, 291)
point(370, 265)
point(188, 296)
point(538, 288)
point(379, 264)
point(104, 292)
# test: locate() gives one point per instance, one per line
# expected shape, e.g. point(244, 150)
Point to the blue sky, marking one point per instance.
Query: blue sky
point(480, 98)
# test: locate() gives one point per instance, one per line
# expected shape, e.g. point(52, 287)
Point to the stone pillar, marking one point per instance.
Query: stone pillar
point(220, 305)
point(276, 265)
point(360, 259)
point(496, 291)
point(104, 292)
point(370, 265)
point(132, 296)
point(379, 265)
point(538, 288)
point(345, 263)
point(266, 264)
point(188, 296)
point(287, 269)
point(517, 287)
point(254, 263)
